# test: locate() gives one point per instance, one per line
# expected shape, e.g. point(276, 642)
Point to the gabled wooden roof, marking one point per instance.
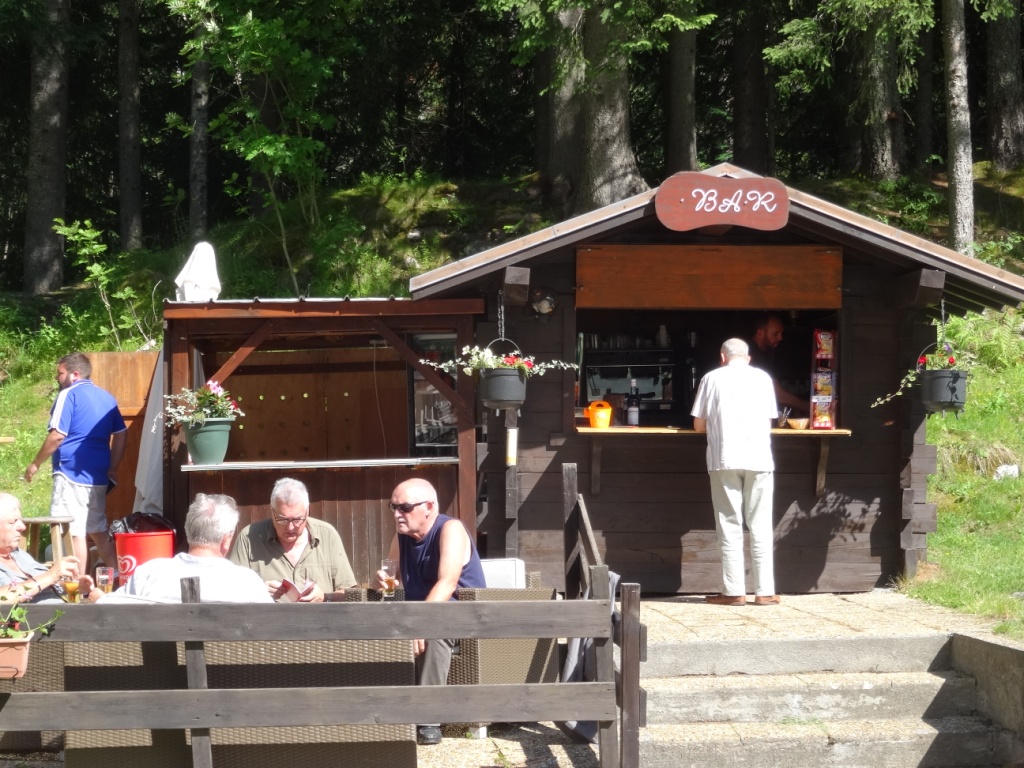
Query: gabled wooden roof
point(970, 284)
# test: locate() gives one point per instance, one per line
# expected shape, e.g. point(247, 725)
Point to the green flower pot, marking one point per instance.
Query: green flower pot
point(502, 388)
point(208, 443)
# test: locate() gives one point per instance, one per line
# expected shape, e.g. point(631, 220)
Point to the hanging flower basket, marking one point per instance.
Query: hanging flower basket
point(502, 376)
point(942, 386)
point(944, 390)
point(502, 388)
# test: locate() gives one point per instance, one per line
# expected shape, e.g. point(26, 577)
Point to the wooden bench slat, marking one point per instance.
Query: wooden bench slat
point(330, 621)
point(226, 708)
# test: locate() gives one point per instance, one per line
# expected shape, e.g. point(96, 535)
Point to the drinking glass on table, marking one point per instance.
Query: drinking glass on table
point(70, 585)
point(105, 579)
point(390, 568)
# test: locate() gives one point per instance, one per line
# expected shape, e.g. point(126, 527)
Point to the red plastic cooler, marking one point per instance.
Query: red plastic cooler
point(133, 549)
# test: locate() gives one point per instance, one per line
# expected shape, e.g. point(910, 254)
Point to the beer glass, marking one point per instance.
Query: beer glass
point(390, 568)
point(105, 579)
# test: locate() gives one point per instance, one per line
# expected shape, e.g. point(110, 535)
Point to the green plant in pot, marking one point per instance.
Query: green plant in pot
point(502, 376)
point(205, 415)
point(16, 631)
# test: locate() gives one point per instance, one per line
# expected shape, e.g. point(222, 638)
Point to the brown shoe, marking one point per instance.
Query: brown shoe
point(767, 600)
point(726, 600)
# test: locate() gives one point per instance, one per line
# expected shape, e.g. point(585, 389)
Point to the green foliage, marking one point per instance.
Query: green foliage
point(130, 321)
point(974, 557)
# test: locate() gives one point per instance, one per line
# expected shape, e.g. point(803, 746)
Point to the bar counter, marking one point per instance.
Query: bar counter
point(599, 434)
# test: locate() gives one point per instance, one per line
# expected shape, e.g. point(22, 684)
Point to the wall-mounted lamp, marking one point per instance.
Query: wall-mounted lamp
point(542, 302)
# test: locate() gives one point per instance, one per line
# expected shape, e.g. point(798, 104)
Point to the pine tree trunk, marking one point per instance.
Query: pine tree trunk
point(1005, 95)
point(47, 171)
point(923, 111)
point(199, 145)
point(681, 131)
point(958, 128)
point(750, 89)
point(563, 160)
point(610, 172)
point(886, 148)
point(129, 141)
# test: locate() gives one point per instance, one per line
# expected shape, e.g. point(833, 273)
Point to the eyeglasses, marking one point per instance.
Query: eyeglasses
point(407, 507)
point(289, 520)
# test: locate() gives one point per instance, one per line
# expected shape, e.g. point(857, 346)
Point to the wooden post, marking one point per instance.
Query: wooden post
point(511, 492)
point(571, 534)
point(195, 669)
point(630, 675)
point(604, 658)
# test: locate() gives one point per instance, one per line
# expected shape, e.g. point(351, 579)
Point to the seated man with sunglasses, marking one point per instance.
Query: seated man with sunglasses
point(292, 546)
point(436, 557)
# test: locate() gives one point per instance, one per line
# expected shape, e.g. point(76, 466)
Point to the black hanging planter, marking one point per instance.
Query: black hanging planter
point(943, 390)
point(502, 388)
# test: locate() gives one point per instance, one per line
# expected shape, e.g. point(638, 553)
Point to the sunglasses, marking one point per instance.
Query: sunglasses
point(405, 508)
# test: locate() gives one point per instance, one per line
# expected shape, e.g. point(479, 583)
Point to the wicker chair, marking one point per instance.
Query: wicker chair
point(45, 673)
point(507, 660)
point(256, 664)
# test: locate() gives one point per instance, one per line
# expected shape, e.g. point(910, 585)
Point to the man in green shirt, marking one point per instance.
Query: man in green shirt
point(293, 546)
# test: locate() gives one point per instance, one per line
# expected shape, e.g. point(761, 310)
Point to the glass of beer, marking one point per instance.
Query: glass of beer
point(105, 579)
point(70, 590)
point(390, 568)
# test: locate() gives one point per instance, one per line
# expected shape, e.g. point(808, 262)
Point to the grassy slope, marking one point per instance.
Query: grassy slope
point(378, 234)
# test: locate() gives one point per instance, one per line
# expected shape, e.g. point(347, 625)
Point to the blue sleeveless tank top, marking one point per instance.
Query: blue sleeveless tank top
point(420, 559)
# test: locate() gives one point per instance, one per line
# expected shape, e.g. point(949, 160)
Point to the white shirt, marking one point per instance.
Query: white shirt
point(220, 580)
point(738, 403)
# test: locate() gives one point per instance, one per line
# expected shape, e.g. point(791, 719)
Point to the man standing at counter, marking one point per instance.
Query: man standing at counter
point(735, 405)
point(768, 332)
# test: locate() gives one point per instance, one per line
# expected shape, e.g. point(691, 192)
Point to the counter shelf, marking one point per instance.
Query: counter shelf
point(235, 466)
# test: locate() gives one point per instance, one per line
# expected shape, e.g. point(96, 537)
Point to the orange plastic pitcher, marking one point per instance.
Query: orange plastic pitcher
point(599, 413)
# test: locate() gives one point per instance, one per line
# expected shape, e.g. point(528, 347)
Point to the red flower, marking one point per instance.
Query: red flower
point(528, 364)
point(511, 360)
point(952, 360)
point(922, 360)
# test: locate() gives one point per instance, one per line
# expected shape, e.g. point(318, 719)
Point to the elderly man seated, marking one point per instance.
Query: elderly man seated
point(294, 546)
point(21, 575)
point(210, 527)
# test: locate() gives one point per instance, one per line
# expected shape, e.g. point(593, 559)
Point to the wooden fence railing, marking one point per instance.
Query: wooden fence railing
point(586, 573)
point(199, 708)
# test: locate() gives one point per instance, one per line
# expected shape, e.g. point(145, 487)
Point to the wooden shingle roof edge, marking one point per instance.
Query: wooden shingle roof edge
point(971, 283)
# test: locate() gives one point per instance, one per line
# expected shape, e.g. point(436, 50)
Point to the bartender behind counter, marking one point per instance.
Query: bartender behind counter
point(767, 335)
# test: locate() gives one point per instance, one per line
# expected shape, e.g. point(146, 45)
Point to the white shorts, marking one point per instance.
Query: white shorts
point(87, 504)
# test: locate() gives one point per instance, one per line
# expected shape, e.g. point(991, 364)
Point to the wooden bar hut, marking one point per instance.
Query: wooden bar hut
point(647, 289)
point(335, 395)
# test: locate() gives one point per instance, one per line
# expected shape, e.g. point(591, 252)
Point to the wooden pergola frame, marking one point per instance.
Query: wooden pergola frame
point(243, 327)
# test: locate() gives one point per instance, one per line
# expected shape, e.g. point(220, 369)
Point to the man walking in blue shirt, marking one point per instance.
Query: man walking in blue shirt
point(86, 439)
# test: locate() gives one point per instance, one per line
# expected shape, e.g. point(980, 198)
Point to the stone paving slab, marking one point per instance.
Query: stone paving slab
point(880, 613)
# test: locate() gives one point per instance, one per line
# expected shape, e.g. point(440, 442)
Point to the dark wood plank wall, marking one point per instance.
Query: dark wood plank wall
point(653, 516)
point(352, 500)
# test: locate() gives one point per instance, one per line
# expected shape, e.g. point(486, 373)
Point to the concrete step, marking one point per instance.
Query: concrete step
point(945, 743)
point(825, 696)
point(903, 653)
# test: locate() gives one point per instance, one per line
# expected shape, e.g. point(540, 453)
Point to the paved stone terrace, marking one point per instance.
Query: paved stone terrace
point(674, 621)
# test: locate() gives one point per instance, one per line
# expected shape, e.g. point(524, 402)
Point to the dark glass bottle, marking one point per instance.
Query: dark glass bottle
point(633, 405)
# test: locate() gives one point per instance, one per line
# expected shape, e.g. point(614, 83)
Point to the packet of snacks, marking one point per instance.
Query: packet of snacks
point(824, 382)
point(821, 413)
point(824, 344)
